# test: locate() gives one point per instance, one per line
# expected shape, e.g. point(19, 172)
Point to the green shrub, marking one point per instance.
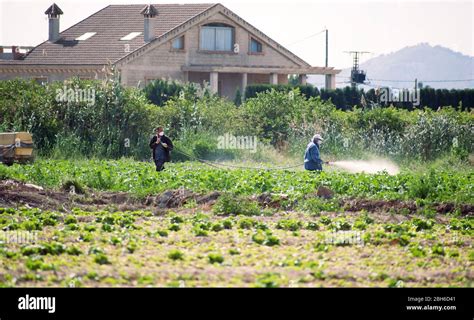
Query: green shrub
point(101, 258)
point(289, 224)
point(246, 223)
point(417, 251)
point(259, 237)
point(265, 238)
point(227, 223)
point(73, 251)
point(176, 219)
point(325, 220)
point(162, 233)
point(471, 255)
point(132, 247)
point(199, 232)
point(312, 226)
point(269, 280)
point(70, 220)
point(174, 227)
point(176, 255)
point(160, 91)
point(217, 227)
point(215, 258)
point(360, 225)
point(422, 224)
point(107, 227)
point(463, 225)
point(65, 129)
point(37, 263)
point(90, 228)
point(272, 241)
point(228, 204)
point(234, 251)
point(339, 224)
point(438, 249)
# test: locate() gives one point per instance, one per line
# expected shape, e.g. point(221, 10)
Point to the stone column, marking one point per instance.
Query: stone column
point(273, 78)
point(330, 81)
point(214, 82)
point(303, 78)
point(244, 85)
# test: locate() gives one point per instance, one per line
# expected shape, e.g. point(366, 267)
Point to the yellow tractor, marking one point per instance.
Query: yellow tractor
point(16, 146)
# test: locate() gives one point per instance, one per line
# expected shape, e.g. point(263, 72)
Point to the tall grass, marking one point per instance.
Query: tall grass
point(120, 123)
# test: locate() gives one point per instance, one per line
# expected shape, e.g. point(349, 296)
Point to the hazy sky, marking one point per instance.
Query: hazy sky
point(376, 26)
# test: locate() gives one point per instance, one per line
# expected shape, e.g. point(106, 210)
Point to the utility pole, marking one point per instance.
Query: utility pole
point(327, 42)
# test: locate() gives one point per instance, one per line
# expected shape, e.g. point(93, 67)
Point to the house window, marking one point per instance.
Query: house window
point(217, 37)
point(255, 46)
point(178, 43)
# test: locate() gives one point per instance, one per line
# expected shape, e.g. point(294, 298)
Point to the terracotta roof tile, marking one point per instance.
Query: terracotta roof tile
point(110, 24)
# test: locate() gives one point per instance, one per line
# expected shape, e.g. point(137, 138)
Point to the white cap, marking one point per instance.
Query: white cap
point(317, 137)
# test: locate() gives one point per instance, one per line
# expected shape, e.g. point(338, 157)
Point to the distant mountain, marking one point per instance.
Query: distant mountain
point(422, 61)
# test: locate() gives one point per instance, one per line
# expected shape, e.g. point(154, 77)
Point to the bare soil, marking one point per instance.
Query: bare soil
point(15, 193)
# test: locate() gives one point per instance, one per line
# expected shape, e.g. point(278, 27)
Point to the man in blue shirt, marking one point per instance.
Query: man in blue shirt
point(312, 159)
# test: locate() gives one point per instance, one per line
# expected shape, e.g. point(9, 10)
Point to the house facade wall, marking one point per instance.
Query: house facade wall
point(162, 62)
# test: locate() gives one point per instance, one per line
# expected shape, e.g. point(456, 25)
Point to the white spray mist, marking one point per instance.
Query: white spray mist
point(369, 166)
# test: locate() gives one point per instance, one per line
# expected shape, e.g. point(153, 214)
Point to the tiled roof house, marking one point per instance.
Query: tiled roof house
point(187, 42)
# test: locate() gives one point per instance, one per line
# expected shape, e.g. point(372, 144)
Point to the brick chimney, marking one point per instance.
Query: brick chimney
point(53, 13)
point(149, 13)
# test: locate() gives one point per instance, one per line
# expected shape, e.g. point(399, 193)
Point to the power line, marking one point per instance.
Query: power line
point(421, 80)
point(308, 37)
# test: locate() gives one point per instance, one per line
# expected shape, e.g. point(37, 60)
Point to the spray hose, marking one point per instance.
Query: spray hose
point(219, 165)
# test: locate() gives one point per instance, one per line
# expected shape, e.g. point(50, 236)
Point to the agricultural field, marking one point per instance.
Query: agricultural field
point(120, 223)
point(111, 220)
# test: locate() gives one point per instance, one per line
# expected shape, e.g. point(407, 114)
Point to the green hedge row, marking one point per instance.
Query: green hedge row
point(348, 97)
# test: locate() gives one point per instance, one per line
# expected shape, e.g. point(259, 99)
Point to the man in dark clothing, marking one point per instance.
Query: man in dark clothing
point(161, 146)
